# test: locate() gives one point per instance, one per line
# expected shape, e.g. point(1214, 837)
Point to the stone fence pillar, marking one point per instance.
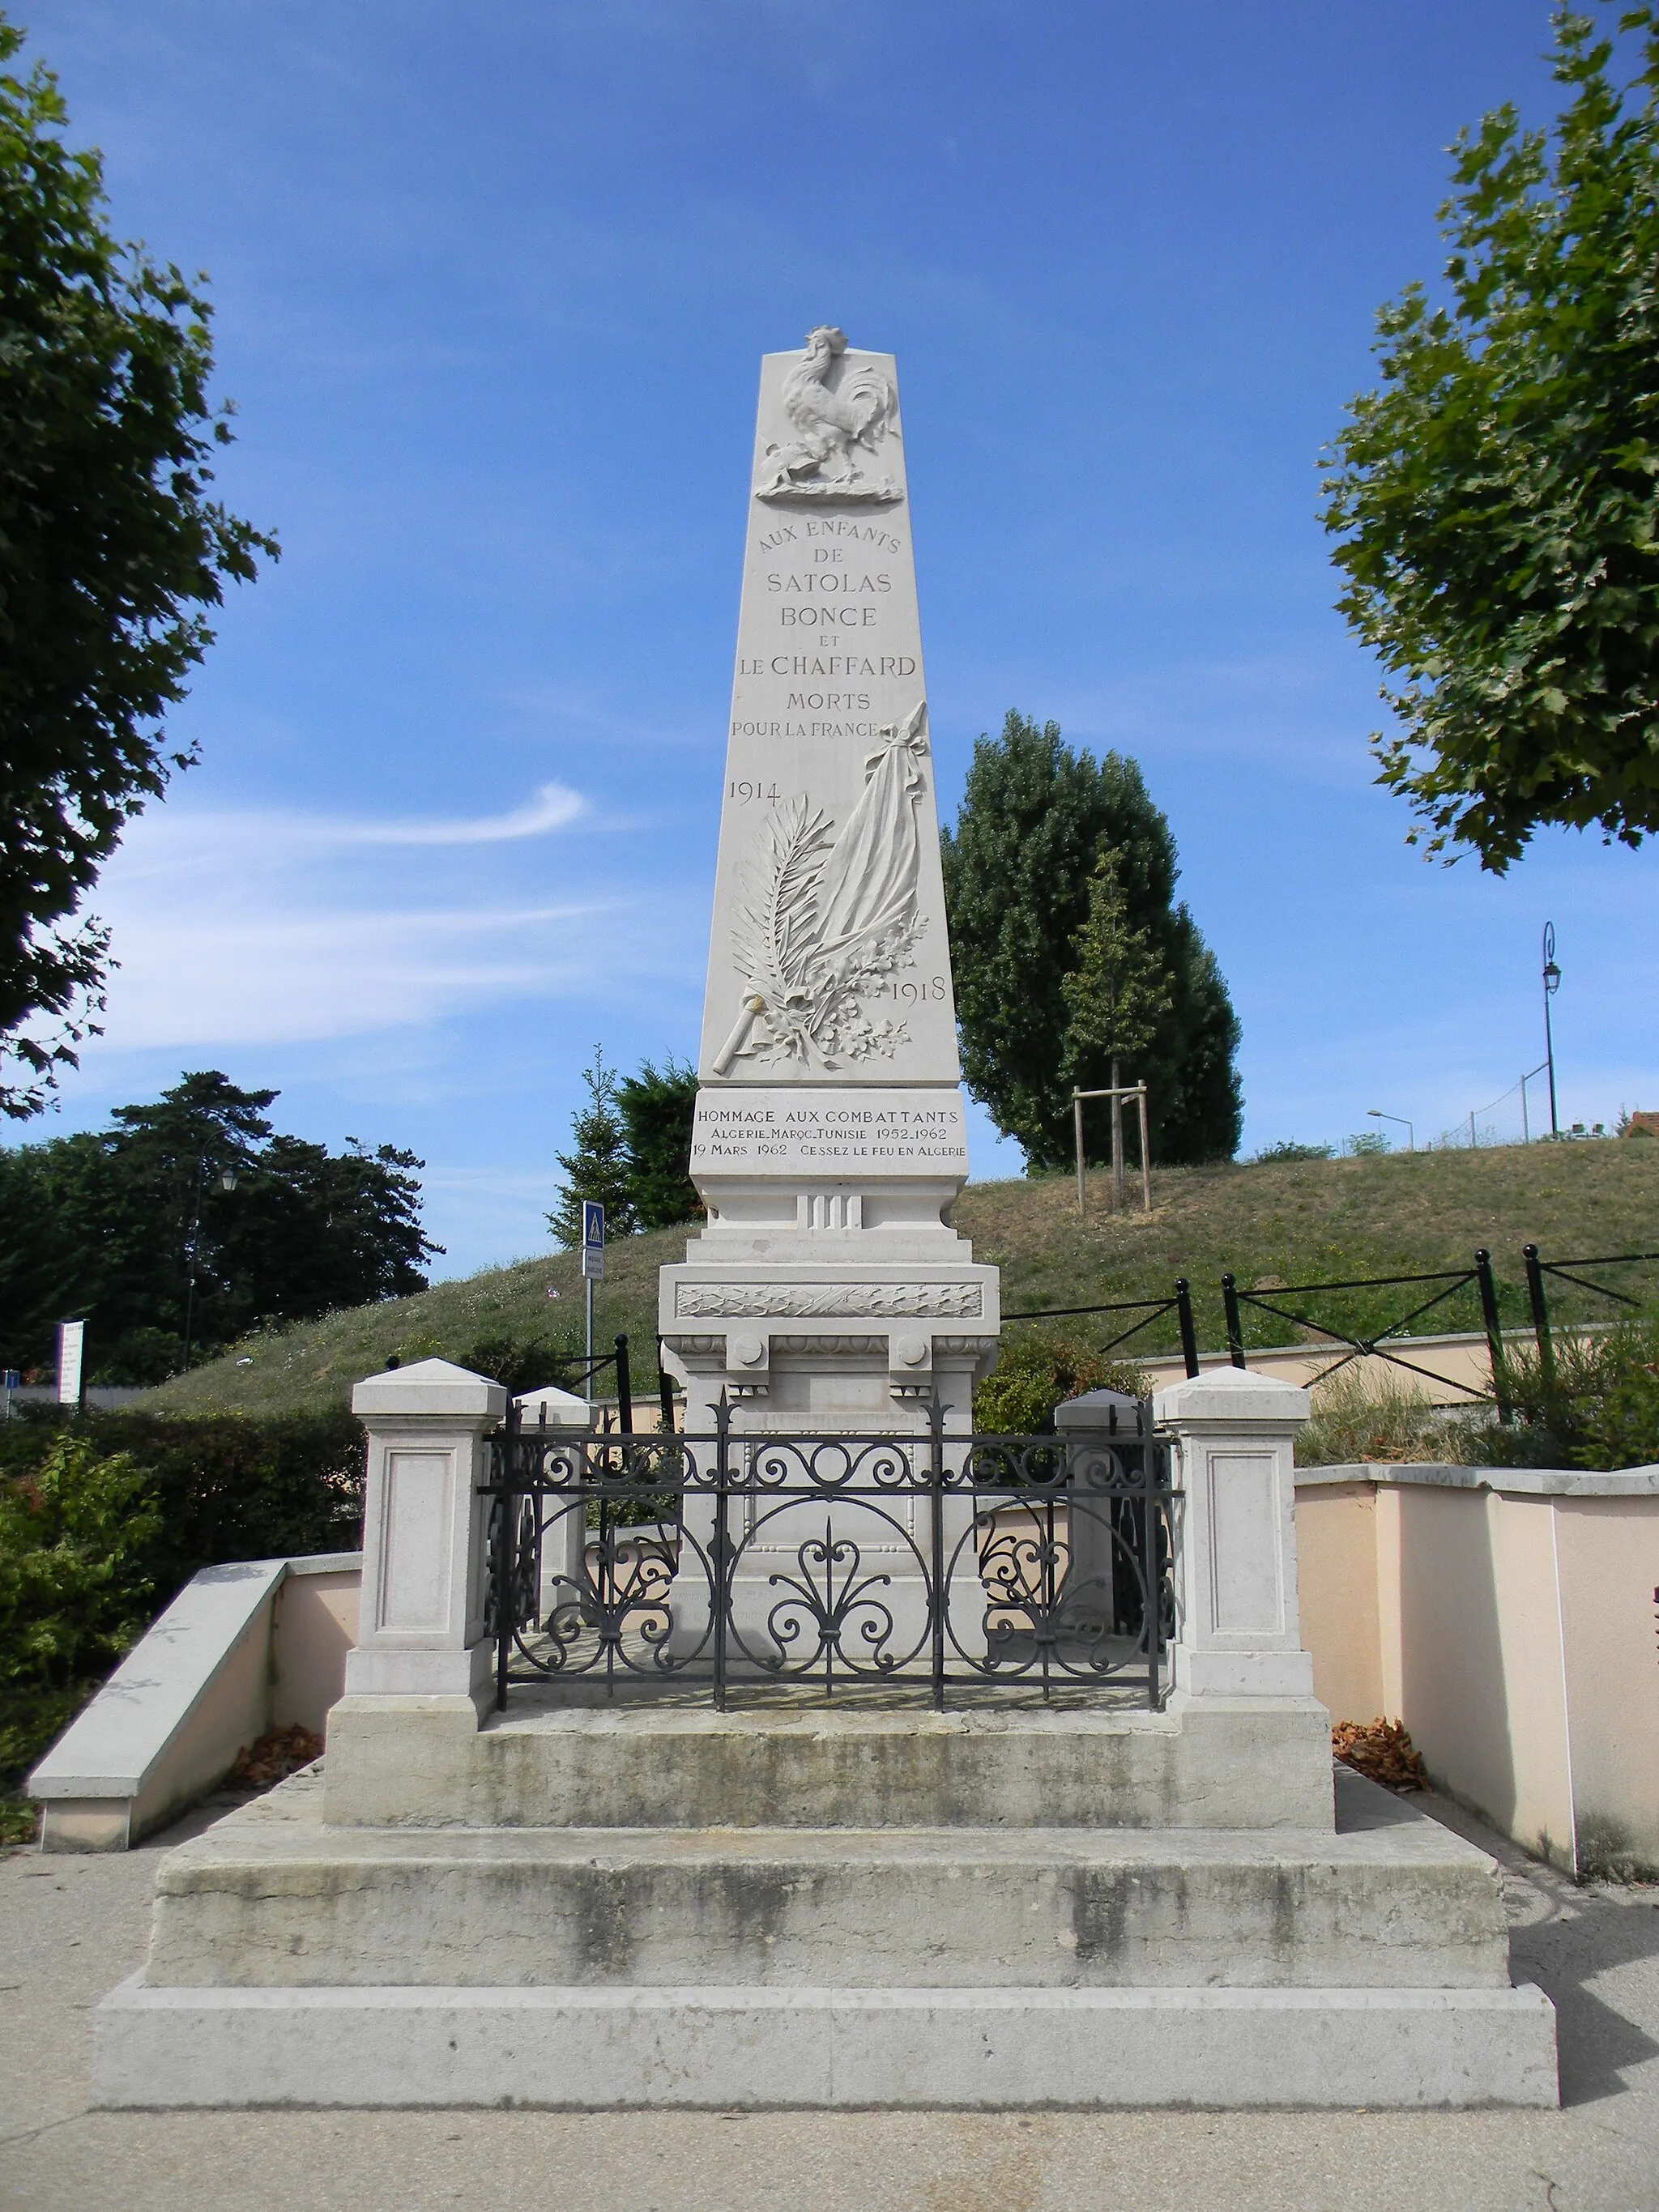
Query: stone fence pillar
point(1238, 1632)
point(424, 1528)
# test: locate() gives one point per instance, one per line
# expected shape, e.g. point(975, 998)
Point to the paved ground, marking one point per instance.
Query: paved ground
point(71, 1927)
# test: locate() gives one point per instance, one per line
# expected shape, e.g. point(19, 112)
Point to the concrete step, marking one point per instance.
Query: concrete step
point(272, 1898)
point(571, 1757)
point(609, 2050)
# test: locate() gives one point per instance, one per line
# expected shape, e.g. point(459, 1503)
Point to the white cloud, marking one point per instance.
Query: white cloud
point(173, 840)
point(551, 808)
point(260, 926)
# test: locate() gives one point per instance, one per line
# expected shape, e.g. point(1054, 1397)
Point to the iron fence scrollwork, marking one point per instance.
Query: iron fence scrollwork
point(927, 1563)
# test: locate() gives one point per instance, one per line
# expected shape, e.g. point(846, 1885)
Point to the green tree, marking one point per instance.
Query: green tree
point(597, 1169)
point(134, 1228)
point(1018, 869)
point(110, 549)
point(73, 1592)
point(1497, 495)
point(657, 1106)
point(1118, 995)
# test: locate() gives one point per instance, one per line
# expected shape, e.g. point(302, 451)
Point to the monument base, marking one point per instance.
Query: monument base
point(656, 1755)
point(295, 1962)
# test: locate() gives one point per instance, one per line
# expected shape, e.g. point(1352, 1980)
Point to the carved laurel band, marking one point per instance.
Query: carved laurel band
point(757, 1301)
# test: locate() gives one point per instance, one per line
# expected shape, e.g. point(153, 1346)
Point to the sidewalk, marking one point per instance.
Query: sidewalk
point(70, 1928)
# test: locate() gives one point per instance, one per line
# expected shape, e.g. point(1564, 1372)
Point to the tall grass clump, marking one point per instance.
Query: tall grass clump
point(1595, 1404)
point(1384, 1419)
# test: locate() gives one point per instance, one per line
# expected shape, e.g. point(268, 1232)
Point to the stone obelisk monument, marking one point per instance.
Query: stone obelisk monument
point(995, 1907)
point(826, 1293)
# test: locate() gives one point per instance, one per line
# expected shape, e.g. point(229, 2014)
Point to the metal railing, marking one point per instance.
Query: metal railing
point(1179, 1302)
point(737, 1561)
point(1566, 1271)
point(1396, 1330)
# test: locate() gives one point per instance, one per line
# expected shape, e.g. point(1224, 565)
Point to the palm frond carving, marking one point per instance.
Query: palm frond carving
point(823, 919)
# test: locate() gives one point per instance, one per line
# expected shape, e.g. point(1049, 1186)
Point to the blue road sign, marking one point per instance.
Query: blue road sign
point(592, 1241)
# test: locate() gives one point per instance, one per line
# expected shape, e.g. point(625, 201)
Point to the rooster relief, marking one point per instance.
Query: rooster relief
point(822, 919)
point(861, 408)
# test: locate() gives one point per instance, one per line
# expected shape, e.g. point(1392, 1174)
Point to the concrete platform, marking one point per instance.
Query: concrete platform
point(272, 1898)
point(570, 1756)
point(293, 1963)
point(593, 2050)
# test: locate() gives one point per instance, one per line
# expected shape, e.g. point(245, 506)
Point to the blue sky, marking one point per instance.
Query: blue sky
point(492, 282)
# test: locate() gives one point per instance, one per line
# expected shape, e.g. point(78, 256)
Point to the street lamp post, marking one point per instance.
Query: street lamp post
point(1551, 985)
point(227, 1182)
point(1377, 1114)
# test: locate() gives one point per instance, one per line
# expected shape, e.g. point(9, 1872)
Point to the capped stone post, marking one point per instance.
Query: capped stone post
point(424, 1528)
point(1238, 1631)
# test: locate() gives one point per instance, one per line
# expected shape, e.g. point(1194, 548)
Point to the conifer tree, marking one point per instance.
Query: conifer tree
point(1019, 870)
point(596, 1169)
point(657, 1106)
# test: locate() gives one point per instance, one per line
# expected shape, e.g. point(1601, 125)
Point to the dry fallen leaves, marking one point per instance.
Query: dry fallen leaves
point(1382, 1750)
point(278, 1754)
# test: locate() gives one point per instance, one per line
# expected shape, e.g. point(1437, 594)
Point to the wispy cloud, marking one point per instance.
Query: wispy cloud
point(551, 808)
point(251, 926)
point(175, 838)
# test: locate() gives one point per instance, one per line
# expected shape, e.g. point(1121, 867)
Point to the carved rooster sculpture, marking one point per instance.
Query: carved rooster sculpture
point(831, 423)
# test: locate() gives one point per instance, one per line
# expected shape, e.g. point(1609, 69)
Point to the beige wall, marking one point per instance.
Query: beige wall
point(241, 1647)
point(1610, 1607)
point(1336, 1575)
point(315, 1625)
point(1453, 1370)
point(1472, 1652)
point(1514, 1635)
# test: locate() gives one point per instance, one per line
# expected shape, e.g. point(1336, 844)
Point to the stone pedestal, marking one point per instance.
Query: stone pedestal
point(1237, 1624)
point(561, 1414)
point(421, 1632)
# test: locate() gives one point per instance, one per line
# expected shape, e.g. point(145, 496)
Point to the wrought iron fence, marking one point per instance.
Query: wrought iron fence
point(741, 1560)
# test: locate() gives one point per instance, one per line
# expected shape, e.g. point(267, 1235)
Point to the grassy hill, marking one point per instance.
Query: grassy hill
point(1286, 1222)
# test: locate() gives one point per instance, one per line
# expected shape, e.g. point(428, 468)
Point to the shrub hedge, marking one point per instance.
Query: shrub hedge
point(1038, 1370)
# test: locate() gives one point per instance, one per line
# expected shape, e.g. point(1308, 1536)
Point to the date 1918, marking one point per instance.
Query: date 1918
point(909, 993)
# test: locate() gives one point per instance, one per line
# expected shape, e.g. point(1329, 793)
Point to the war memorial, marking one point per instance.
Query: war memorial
point(825, 1754)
